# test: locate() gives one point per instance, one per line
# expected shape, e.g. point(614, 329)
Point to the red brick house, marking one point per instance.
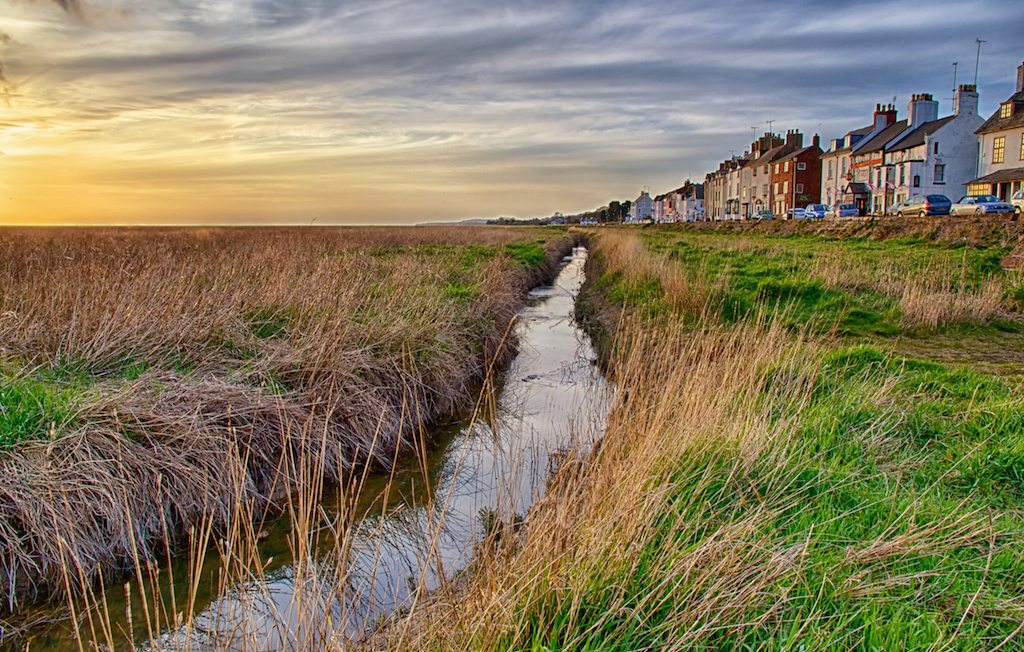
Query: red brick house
point(796, 177)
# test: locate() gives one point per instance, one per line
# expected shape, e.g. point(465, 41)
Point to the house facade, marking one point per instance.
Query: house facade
point(937, 156)
point(755, 175)
point(836, 166)
point(871, 184)
point(642, 208)
point(796, 177)
point(1001, 155)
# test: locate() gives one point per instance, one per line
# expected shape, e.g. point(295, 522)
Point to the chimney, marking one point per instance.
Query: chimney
point(794, 139)
point(885, 115)
point(966, 100)
point(1020, 77)
point(922, 108)
point(816, 141)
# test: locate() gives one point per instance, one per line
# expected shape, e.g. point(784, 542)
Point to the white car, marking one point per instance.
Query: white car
point(980, 205)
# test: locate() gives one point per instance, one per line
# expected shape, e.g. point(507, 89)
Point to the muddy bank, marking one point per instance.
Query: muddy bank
point(172, 452)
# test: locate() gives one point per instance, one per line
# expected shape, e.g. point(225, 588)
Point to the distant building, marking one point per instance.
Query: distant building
point(642, 208)
point(872, 184)
point(796, 177)
point(1001, 157)
point(837, 167)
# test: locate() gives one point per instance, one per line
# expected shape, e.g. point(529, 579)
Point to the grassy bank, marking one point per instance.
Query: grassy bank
point(817, 443)
point(157, 382)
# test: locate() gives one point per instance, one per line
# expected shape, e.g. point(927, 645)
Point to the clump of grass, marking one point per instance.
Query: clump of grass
point(930, 307)
point(32, 409)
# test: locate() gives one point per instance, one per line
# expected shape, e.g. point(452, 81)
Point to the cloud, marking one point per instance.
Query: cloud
point(524, 107)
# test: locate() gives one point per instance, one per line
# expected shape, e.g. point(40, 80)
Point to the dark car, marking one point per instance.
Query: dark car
point(924, 205)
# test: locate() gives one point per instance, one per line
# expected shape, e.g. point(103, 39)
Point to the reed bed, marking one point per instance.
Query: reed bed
point(156, 382)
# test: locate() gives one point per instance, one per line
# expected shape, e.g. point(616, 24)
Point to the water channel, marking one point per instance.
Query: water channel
point(423, 521)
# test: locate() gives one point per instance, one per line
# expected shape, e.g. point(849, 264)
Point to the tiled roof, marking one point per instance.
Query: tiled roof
point(882, 138)
point(1016, 119)
point(916, 137)
point(770, 155)
point(798, 152)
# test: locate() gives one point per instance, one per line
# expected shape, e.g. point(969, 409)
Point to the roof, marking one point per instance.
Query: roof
point(995, 123)
point(916, 137)
point(857, 188)
point(795, 154)
point(863, 131)
point(1000, 176)
point(882, 138)
point(769, 156)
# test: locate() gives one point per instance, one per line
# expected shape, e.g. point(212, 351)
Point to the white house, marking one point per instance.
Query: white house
point(936, 155)
point(642, 208)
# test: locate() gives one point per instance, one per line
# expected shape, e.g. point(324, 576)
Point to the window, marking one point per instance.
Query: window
point(764, 190)
point(799, 188)
point(940, 173)
point(917, 180)
point(801, 166)
point(831, 163)
point(786, 169)
point(903, 175)
point(999, 149)
point(776, 187)
point(755, 172)
point(936, 147)
point(785, 187)
point(844, 167)
point(1006, 110)
point(767, 169)
point(777, 168)
point(1022, 147)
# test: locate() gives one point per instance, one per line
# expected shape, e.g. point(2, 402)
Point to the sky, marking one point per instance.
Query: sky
point(393, 111)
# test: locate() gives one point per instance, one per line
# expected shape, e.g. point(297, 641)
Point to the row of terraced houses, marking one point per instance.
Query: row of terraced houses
point(871, 167)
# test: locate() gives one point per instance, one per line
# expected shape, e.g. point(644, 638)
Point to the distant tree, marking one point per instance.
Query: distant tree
point(614, 211)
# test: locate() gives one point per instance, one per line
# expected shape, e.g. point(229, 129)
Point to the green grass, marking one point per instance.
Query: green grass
point(949, 443)
point(30, 408)
point(885, 447)
point(527, 254)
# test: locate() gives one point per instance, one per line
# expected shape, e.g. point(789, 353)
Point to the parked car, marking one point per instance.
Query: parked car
point(1018, 202)
point(895, 208)
point(816, 211)
point(924, 205)
point(763, 215)
point(980, 205)
point(842, 210)
point(795, 214)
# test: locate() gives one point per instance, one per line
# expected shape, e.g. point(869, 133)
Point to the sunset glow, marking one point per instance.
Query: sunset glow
point(356, 112)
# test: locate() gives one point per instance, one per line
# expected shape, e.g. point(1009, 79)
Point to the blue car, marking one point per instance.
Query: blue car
point(815, 211)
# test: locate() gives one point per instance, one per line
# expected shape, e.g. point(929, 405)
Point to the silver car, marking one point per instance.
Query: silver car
point(980, 205)
point(1018, 202)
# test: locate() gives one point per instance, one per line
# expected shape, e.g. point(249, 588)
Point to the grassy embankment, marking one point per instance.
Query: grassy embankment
point(155, 383)
point(816, 444)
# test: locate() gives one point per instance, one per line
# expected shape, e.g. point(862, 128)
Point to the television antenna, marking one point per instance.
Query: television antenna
point(977, 59)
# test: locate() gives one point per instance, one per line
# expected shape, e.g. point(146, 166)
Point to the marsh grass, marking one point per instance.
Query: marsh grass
point(157, 381)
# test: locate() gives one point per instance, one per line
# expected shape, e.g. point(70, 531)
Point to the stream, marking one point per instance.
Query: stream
point(421, 523)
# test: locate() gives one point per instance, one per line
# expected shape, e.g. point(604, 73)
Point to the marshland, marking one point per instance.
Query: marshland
point(382, 439)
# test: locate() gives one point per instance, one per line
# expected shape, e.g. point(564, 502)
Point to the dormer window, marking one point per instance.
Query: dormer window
point(1006, 110)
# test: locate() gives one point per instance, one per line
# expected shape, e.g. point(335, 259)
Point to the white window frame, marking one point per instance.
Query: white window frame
point(801, 165)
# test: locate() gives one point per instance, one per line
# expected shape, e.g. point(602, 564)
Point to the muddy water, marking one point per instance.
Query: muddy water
point(420, 524)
